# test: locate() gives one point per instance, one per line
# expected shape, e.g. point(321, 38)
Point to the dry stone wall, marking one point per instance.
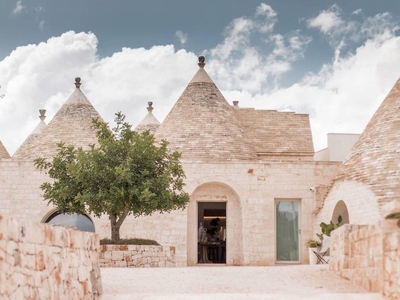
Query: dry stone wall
point(368, 255)
point(40, 261)
point(139, 256)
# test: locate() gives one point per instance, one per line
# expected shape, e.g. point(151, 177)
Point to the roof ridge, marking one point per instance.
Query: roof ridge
point(32, 136)
point(3, 151)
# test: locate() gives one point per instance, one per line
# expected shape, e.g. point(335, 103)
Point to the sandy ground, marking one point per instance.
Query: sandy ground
point(222, 282)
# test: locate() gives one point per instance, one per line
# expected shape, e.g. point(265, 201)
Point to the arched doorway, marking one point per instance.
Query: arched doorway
point(81, 222)
point(215, 198)
point(340, 210)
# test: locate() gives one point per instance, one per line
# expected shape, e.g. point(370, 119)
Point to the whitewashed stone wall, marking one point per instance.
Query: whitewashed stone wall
point(39, 261)
point(138, 256)
point(256, 185)
point(20, 193)
point(368, 255)
point(361, 204)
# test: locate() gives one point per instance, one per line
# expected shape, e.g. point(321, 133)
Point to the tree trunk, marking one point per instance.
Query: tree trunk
point(114, 231)
point(114, 227)
point(116, 224)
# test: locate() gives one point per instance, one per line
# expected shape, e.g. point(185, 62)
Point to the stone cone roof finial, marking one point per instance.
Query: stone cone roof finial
point(150, 107)
point(78, 82)
point(42, 116)
point(201, 62)
point(149, 122)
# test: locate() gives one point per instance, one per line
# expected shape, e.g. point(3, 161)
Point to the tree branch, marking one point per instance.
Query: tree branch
point(123, 216)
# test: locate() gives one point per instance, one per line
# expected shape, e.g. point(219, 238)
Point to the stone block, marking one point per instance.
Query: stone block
point(83, 273)
point(117, 255)
point(119, 264)
point(107, 255)
point(132, 247)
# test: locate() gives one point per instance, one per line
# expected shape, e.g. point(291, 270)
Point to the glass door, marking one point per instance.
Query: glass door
point(287, 230)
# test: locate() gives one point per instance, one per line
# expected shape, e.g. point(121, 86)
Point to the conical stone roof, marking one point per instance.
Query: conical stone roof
point(375, 158)
point(24, 149)
point(149, 122)
point(71, 125)
point(203, 126)
point(3, 151)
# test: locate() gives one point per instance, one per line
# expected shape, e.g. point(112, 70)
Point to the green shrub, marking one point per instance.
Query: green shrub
point(133, 241)
point(313, 244)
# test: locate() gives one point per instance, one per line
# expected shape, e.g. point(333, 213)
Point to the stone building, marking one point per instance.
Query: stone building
point(366, 187)
point(254, 170)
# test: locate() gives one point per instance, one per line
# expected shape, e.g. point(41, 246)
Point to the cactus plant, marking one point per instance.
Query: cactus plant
point(326, 229)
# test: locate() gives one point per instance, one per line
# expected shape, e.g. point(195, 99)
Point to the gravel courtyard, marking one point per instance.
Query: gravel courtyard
point(223, 282)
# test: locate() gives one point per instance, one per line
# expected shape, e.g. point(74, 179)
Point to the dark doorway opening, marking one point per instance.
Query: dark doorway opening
point(212, 232)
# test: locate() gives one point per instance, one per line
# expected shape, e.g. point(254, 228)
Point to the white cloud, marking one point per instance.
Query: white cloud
point(265, 10)
point(380, 26)
point(327, 20)
point(269, 14)
point(41, 25)
point(183, 37)
point(342, 31)
point(112, 84)
point(343, 95)
point(18, 7)
point(239, 62)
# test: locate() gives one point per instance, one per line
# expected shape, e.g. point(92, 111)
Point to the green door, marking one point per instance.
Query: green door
point(287, 230)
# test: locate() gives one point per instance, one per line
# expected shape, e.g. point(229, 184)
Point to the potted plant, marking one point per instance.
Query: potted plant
point(312, 245)
point(326, 229)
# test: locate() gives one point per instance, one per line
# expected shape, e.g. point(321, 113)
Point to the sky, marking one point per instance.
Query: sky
point(333, 60)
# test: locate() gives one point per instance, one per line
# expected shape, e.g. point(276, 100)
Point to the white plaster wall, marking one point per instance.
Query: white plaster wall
point(339, 146)
point(322, 155)
point(361, 204)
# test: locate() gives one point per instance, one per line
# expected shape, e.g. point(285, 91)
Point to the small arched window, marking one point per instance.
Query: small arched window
point(341, 210)
point(81, 222)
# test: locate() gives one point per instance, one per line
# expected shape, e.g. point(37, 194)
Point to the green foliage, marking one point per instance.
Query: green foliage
point(394, 215)
point(133, 241)
point(326, 229)
point(313, 244)
point(125, 173)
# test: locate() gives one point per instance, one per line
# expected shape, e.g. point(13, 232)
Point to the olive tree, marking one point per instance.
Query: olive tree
point(126, 173)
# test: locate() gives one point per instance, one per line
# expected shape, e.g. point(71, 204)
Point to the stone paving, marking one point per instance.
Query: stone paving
point(223, 282)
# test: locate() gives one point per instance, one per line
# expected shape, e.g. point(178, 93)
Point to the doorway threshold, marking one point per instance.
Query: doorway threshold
point(210, 265)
